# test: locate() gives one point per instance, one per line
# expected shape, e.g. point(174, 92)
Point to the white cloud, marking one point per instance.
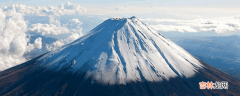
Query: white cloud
point(48, 29)
point(218, 25)
point(59, 43)
point(75, 30)
point(159, 20)
point(76, 21)
point(56, 28)
point(38, 43)
point(65, 33)
point(13, 39)
point(171, 28)
point(64, 9)
point(69, 6)
point(74, 25)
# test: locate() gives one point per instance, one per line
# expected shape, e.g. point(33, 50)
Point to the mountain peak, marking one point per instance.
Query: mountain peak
point(133, 17)
point(122, 18)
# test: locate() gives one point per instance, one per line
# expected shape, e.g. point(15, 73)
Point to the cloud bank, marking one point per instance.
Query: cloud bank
point(14, 42)
point(74, 30)
point(15, 31)
point(173, 28)
point(64, 9)
point(218, 25)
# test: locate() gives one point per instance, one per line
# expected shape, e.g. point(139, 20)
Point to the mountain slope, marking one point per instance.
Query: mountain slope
point(121, 56)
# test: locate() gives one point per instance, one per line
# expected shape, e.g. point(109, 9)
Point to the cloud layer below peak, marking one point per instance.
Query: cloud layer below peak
point(14, 42)
point(218, 25)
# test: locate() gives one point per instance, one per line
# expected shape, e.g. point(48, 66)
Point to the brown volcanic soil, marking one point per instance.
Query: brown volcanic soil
point(24, 79)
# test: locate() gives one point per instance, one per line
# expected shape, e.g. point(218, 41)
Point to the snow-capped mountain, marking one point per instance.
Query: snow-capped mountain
point(121, 56)
point(121, 50)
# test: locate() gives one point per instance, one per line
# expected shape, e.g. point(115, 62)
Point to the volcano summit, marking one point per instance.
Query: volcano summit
point(121, 56)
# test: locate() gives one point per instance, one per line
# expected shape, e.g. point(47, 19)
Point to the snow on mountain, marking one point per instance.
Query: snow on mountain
point(121, 50)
